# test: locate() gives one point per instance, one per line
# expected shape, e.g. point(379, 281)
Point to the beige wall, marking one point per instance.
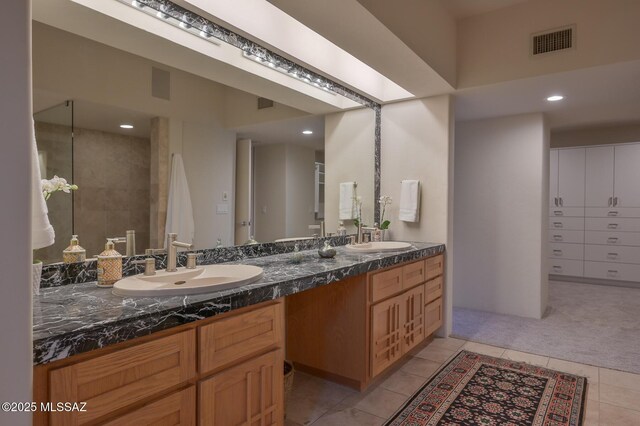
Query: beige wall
point(208, 152)
point(283, 191)
point(270, 201)
point(501, 184)
point(15, 226)
point(601, 135)
point(349, 147)
point(607, 32)
point(300, 190)
point(417, 143)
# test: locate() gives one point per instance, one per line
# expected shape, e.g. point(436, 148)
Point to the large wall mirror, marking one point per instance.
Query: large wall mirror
point(255, 168)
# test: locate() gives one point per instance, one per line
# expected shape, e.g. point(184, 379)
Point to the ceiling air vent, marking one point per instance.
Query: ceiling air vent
point(551, 41)
point(264, 103)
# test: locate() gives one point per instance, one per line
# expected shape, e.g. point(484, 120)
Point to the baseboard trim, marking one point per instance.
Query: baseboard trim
point(594, 281)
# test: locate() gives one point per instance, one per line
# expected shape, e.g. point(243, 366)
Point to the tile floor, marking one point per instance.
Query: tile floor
point(613, 397)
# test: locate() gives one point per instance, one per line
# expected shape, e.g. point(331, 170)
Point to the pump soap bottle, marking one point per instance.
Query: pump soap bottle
point(74, 253)
point(109, 265)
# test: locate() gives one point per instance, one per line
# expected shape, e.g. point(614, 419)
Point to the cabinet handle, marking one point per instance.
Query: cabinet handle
point(561, 202)
point(557, 237)
point(557, 252)
point(612, 240)
point(612, 226)
point(612, 273)
point(555, 201)
point(558, 213)
point(610, 201)
point(557, 224)
point(557, 268)
point(612, 256)
point(615, 201)
point(612, 213)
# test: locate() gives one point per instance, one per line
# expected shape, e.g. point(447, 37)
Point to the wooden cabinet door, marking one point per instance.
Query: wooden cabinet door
point(627, 176)
point(553, 178)
point(571, 175)
point(386, 333)
point(413, 318)
point(432, 316)
point(599, 176)
point(248, 394)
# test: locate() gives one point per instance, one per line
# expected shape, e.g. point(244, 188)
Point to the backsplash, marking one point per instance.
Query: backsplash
point(59, 274)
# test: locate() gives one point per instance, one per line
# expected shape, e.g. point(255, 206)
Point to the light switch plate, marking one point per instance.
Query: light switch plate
point(222, 208)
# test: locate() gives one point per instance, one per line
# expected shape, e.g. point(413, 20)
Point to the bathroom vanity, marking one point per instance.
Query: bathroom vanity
point(217, 358)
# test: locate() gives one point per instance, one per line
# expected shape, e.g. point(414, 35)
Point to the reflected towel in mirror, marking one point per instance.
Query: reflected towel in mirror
point(179, 207)
point(346, 208)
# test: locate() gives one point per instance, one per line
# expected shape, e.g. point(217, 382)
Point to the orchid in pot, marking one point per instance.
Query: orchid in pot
point(384, 201)
point(48, 187)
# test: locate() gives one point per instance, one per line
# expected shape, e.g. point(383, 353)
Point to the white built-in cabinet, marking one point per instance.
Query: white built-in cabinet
point(594, 223)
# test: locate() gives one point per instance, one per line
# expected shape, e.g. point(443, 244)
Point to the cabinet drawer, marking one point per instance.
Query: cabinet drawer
point(612, 212)
point(435, 266)
point(612, 271)
point(566, 251)
point(612, 224)
point(613, 238)
point(572, 268)
point(178, 409)
point(413, 274)
point(119, 379)
point(560, 236)
point(568, 223)
point(226, 341)
point(385, 284)
point(433, 289)
point(621, 254)
point(566, 211)
point(432, 316)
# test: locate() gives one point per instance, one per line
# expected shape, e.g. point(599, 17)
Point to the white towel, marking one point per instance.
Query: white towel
point(179, 208)
point(346, 208)
point(42, 233)
point(410, 201)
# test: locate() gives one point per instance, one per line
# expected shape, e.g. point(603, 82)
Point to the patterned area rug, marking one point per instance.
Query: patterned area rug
point(474, 389)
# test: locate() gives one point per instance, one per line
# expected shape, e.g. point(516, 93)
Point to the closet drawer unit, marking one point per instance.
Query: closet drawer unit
point(226, 341)
point(612, 212)
point(119, 379)
point(413, 274)
point(568, 223)
point(433, 289)
point(566, 251)
point(559, 236)
point(572, 268)
point(612, 271)
point(435, 266)
point(622, 254)
point(566, 211)
point(385, 284)
point(613, 238)
point(612, 224)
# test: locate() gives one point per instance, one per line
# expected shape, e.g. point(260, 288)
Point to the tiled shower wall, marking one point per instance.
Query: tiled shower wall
point(112, 174)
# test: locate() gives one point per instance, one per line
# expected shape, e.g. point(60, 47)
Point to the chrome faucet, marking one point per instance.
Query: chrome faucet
point(172, 251)
point(361, 231)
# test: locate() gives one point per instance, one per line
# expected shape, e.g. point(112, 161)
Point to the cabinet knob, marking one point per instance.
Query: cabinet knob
point(612, 256)
point(558, 212)
point(612, 213)
point(557, 252)
point(612, 226)
point(557, 237)
point(557, 224)
point(612, 240)
point(612, 273)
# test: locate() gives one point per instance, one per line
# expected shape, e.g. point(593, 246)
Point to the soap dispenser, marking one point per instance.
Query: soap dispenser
point(109, 265)
point(74, 253)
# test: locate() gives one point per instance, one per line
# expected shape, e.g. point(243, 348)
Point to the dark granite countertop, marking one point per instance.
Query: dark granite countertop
point(77, 318)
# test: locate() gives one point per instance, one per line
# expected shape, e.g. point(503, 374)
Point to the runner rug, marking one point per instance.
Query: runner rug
point(474, 389)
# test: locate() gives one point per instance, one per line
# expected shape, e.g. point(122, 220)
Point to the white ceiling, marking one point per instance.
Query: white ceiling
point(604, 94)
point(287, 131)
point(460, 9)
point(89, 115)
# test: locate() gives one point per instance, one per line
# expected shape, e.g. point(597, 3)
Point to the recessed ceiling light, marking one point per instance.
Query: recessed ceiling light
point(555, 98)
point(307, 132)
point(126, 126)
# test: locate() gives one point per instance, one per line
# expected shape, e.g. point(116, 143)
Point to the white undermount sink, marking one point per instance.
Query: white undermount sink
point(203, 279)
point(378, 246)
